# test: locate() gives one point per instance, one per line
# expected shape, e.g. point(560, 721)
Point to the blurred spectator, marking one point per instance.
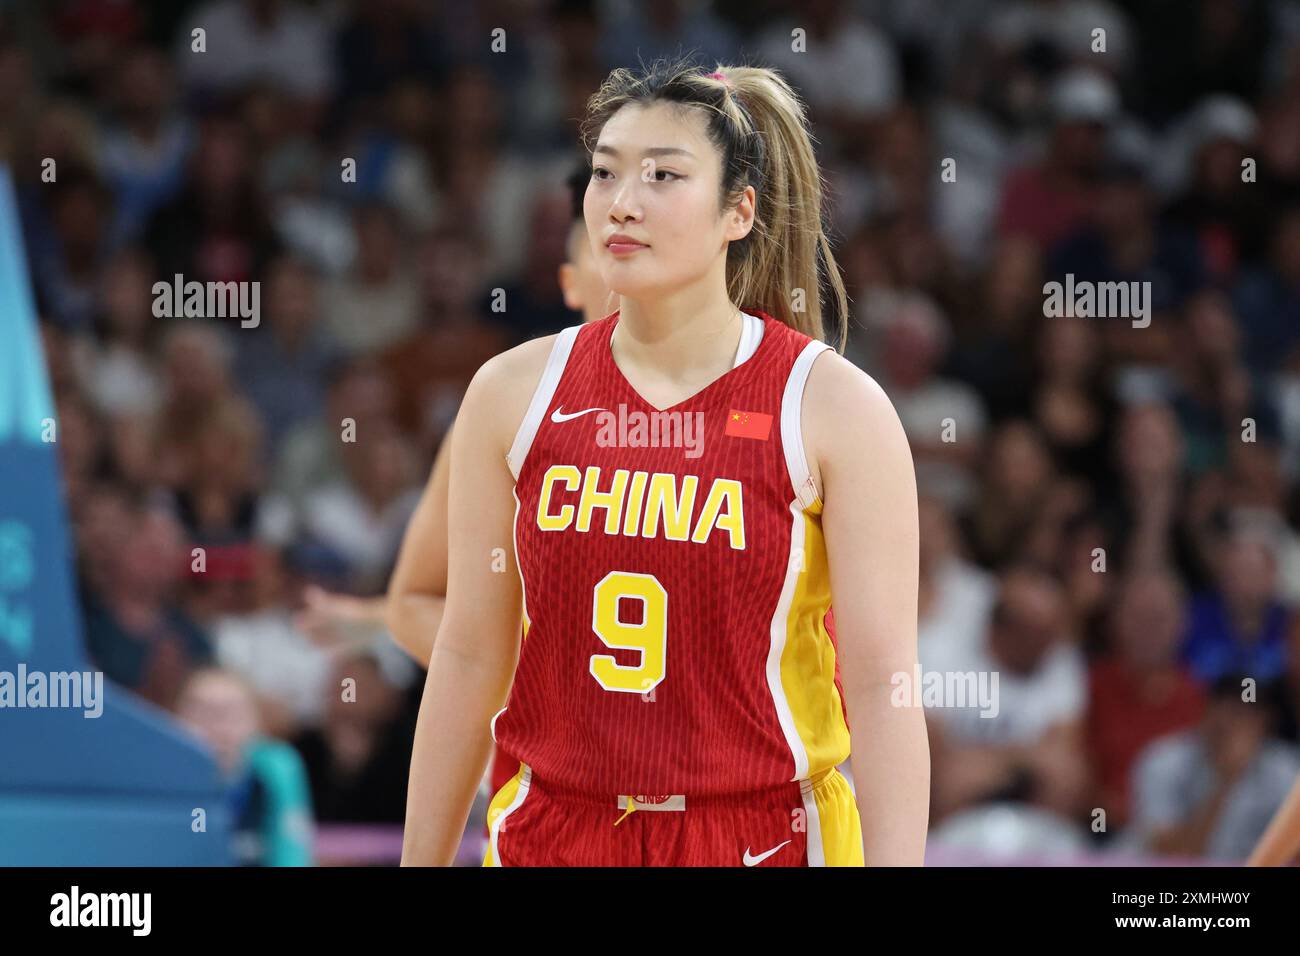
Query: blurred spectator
point(283, 41)
point(118, 366)
point(1239, 626)
point(1268, 299)
point(146, 149)
point(845, 67)
point(217, 228)
point(955, 599)
point(362, 518)
point(136, 632)
point(1049, 199)
point(282, 364)
point(376, 305)
point(310, 455)
point(359, 757)
point(1212, 790)
point(431, 368)
point(1218, 206)
point(270, 803)
point(944, 419)
point(1027, 742)
point(1138, 691)
point(256, 637)
point(1013, 491)
point(67, 274)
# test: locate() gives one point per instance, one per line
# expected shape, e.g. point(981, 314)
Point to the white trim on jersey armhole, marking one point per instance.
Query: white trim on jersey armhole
point(542, 396)
point(750, 335)
point(796, 460)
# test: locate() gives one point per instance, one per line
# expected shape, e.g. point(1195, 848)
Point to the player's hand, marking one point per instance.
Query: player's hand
point(332, 619)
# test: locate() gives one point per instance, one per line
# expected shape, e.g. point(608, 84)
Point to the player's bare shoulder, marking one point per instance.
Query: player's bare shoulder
point(499, 394)
point(846, 415)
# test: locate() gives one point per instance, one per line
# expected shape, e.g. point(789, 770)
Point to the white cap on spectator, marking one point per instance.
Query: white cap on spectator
point(1221, 117)
point(1081, 95)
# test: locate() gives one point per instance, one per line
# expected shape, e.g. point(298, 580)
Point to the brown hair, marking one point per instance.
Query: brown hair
point(785, 265)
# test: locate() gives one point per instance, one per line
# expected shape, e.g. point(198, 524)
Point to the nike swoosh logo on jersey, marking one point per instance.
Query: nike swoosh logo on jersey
point(558, 416)
point(755, 860)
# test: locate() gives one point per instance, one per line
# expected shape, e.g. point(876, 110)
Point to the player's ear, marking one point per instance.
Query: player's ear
point(569, 286)
point(741, 215)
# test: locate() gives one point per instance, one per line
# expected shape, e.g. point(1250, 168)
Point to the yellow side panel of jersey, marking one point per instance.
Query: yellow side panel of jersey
point(808, 660)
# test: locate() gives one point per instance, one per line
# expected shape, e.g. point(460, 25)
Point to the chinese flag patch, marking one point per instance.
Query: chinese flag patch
point(748, 425)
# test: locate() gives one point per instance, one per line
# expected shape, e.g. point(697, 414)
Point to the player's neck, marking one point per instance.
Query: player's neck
point(677, 339)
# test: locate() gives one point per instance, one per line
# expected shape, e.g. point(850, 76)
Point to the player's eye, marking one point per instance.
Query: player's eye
point(596, 172)
point(665, 172)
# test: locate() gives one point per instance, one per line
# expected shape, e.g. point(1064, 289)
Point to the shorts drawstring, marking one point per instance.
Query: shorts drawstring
point(631, 805)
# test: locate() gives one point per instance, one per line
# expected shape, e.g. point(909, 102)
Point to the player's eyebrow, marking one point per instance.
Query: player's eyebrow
point(651, 151)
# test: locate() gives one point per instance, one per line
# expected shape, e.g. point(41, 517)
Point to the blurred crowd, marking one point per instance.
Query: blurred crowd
point(1109, 509)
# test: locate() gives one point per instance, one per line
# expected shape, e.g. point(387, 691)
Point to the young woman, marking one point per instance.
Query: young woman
point(674, 579)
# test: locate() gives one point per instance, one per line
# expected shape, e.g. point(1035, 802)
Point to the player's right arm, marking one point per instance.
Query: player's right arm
point(473, 659)
point(417, 591)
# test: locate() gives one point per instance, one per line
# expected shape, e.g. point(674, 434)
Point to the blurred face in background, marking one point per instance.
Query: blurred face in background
point(143, 86)
point(669, 203)
point(381, 465)
point(1019, 465)
point(449, 266)
point(913, 344)
point(1078, 145)
point(1014, 283)
point(937, 534)
point(353, 725)
point(79, 220)
point(127, 295)
point(1030, 618)
point(580, 280)
point(362, 394)
point(1247, 572)
point(149, 562)
point(1219, 167)
point(377, 244)
point(291, 298)
point(221, 709)
point(1068, 349)
point(221, 164)
point(1122, 206)
point(1150, 443)
point(196, 365)
point(1149, 620)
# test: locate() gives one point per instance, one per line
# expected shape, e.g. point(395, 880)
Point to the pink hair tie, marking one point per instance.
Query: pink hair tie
point(719, 76)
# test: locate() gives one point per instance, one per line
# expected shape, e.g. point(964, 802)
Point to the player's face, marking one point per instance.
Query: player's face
point(656, 179)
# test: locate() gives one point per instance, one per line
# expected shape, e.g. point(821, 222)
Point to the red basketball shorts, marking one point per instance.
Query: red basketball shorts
point(809, 823)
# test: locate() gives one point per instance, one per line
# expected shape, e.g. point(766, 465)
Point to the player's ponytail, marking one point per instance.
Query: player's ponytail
point(785, 265)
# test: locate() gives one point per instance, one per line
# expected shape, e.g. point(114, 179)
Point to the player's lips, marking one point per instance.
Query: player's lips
point(620, 244)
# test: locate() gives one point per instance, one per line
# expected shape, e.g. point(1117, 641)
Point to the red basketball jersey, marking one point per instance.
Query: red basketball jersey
point(675, 579)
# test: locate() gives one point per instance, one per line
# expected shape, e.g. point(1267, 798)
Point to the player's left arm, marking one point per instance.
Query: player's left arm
point(869, 517)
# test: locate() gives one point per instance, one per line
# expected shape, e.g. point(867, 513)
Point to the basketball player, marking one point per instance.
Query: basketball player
point(677, 698)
